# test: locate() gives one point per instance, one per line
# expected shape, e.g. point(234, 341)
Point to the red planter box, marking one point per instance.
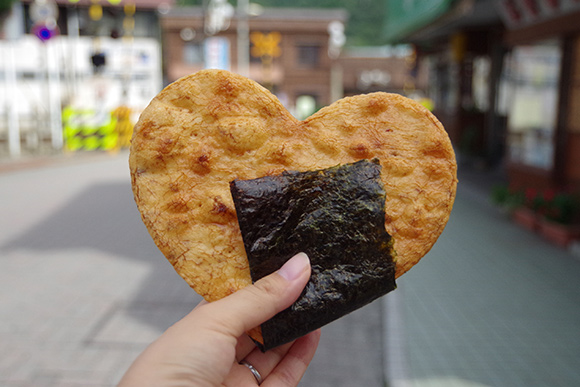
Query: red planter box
point(559, 234)
point(526, 218)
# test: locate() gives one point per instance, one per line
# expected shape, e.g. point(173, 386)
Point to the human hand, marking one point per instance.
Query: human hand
point(206, 347)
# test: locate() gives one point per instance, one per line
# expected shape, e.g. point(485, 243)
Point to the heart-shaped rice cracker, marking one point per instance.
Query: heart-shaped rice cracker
point(212, 127)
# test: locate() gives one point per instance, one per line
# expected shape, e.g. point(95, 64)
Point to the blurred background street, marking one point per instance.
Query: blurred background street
point(83, 289)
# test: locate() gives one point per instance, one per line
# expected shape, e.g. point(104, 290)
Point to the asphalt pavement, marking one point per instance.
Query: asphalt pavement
point(83, 290)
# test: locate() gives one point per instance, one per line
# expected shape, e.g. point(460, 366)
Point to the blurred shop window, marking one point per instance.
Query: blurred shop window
point(529, 96)
point(305, 106)
point(193, 54)
point(443, 84)
point(481, 83)
point(309, 55)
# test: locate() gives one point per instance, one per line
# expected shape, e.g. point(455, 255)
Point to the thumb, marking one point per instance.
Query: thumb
point(257, 303)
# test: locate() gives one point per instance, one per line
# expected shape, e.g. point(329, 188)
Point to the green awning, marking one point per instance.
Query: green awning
point(407, 16)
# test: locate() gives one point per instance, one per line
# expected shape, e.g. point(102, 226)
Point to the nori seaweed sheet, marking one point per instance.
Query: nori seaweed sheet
point(336, 216)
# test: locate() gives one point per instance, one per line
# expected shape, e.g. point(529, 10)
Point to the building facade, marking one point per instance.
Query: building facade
point(505, 78)
point(543, 73)
point(295, 52)
point(68, 65)
point(288, 50)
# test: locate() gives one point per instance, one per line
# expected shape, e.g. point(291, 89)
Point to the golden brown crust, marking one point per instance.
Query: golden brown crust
point(212, 127)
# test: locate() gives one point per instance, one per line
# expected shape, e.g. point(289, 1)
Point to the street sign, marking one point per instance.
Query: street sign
point(44, 31)
point(44, 14)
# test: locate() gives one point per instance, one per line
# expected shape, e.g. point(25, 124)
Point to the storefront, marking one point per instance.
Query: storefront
point(505, 80)
point(540, 93)
point(529, 97)
point(460, 43)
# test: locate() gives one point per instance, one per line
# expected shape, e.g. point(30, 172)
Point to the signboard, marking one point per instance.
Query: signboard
point(217, 53)
point(407, 16)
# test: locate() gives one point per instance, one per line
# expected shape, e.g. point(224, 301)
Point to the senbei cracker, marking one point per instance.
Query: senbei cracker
point(212, 127)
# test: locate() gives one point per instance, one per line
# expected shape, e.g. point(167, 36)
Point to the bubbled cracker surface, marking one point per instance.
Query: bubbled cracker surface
point(212, 127)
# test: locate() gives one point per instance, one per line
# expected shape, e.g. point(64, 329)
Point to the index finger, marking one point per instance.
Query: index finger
point(251, 306)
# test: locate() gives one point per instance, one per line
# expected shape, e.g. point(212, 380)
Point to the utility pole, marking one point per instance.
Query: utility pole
point(14, 30)
point(243, 33)
point(336, 41)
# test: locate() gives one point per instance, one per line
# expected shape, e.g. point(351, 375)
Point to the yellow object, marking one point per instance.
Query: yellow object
point(458, 46)
point(265, 44)
point(95, 12)
point(130, 9)
point(123, 127)
point(427, 103)
point(82, 132)
point(129, 23)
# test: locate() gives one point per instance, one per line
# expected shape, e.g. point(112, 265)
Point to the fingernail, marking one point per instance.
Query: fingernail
point(294, 267)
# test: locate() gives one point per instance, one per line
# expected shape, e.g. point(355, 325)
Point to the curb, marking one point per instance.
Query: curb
point(9, 165)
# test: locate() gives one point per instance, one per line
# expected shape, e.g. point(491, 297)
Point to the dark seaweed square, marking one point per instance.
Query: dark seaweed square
point(336, 216)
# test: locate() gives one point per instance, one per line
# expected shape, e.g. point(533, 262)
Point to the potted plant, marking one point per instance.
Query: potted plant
point(554, 215)
point(560, 221)
point(527, 214)
point(506, 199)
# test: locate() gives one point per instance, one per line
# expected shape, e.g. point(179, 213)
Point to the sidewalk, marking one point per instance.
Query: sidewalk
point(490, 305)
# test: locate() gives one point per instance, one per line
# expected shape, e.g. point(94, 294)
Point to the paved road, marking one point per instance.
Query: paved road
point(83, 290)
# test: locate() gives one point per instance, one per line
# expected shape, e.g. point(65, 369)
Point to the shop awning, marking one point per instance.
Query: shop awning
point(405, 17)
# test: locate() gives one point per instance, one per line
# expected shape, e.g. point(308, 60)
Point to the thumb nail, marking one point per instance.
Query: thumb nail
point(294, 267)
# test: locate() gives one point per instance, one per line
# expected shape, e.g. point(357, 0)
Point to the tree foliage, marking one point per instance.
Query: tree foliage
point(5, 8)
point(5, 5)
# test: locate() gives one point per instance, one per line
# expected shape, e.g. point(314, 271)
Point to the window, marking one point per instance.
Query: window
point(308, 55)
point(193, 53)
point(529, 95)
point(480, 82)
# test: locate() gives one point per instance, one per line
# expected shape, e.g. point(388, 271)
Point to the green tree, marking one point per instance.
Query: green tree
point(189, 2)
point(5, 7)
